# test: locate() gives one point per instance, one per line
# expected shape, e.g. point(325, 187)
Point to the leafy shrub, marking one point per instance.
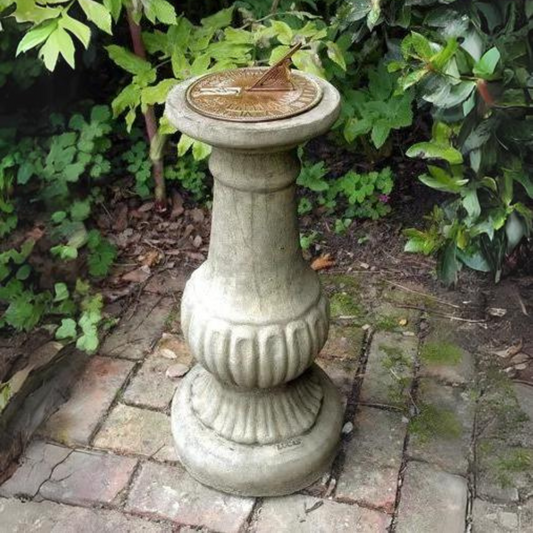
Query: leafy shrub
point(352, 195)
point(472, 65)
point(59, 169)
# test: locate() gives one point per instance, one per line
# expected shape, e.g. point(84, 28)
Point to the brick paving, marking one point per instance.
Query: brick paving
point(428, 445)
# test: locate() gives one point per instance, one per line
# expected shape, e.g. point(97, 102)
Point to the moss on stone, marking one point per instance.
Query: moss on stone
point(434, 422)
point(340, 281)
point(399, 365)
point(343, 304)
point(441, 353)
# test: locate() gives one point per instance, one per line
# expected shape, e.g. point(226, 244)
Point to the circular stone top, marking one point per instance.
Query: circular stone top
point(260, 136)
point(232, 95)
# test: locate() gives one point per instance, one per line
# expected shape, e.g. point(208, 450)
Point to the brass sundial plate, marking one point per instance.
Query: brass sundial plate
point(229, 95)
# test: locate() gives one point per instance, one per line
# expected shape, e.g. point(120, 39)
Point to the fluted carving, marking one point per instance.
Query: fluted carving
point(257, 417)
point(254, 355)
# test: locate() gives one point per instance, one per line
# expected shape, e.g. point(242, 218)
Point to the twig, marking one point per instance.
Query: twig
point(422, 294)
point(521, 303)
point(443, 315)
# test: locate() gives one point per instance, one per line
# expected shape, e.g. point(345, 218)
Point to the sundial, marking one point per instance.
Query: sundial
point(254, 94)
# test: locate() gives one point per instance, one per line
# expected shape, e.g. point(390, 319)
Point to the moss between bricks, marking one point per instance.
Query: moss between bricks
point(342, 304)
point(434, 422)
point(399, 366)
point(441, 353)
point(504, 463)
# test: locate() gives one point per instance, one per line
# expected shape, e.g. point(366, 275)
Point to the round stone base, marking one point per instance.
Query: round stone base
point(256, 470)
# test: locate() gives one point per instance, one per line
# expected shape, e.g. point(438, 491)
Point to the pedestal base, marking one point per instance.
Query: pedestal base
point(256, 470)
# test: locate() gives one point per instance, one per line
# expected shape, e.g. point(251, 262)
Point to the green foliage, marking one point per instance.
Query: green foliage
point(54, 168)
point(473, 66)
point(352, 195)
point(191, 175)
point(376, 110)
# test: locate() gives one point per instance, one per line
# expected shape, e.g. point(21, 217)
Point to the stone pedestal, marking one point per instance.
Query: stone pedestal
point(255, 417)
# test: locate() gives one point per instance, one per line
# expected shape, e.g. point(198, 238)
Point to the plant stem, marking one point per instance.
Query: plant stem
point(158, 169)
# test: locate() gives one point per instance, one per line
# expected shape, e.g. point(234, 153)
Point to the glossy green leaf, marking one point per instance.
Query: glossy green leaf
point(485, 67)
point(429, 150)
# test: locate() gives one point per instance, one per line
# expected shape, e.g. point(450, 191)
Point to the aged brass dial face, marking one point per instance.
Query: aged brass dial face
point(253, 94)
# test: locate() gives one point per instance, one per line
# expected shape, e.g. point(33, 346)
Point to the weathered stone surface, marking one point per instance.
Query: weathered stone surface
point(373, 459)
point(76, 420)
point(344, 342)
point(340, 357)
point(504, 472)
point(342, 372)
point(168, 492)
point(50, 517)
point(151, 387)
point(443, 334)
point(431, 500)
point(522, 435)
point(493, 518)
point(131, 430)
point(442, 433)
point(389, 369)
point(388, 317)
point(305, 514)
point(46, 387)
point(35, 467)
point(87, 478)
point(139, 329)
point(254, 314)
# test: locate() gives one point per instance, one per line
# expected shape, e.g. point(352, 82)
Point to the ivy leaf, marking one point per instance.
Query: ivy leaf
point(485, 67)
point(127, 60)
point(98, 14)
point(67, 329)
point(36, 36)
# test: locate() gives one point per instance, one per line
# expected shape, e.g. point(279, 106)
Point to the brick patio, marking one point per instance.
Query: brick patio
point(104, 460)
